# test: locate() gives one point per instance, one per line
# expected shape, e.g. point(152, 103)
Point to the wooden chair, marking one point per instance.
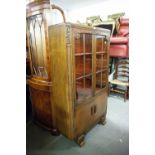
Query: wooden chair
point(120, 81)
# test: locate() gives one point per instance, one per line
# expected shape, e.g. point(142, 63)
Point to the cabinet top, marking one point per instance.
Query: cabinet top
point(84, 27)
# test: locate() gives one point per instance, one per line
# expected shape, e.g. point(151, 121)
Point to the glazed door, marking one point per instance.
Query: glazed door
point(101, 75)
point(83, 66)
point(101, 63)
point(83, 81)
point(37, 43)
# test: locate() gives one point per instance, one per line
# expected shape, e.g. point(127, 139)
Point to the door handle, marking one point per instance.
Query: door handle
point(92, 110)
point(95, 109)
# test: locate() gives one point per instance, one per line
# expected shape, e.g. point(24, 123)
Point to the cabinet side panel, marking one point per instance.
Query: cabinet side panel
point(62, 105)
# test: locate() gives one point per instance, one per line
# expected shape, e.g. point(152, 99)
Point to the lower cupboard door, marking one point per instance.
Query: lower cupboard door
point(100, 106)
point(87, 115)
point(83, 119)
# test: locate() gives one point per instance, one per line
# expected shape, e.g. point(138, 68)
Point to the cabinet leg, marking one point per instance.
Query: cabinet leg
point(55, 132)
point(80, 140)
point(102, 120)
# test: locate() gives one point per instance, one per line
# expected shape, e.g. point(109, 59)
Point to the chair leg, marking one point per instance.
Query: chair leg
point(125, 96)
point(109, 89)
point(128, 93)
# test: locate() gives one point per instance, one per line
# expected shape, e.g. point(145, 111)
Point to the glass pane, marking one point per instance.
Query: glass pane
point(105, 63)
point(99, 44)
point(83, 66)
point(79, 66)
point(79, 87)
point(99, 62)
point(98, 81)
point(88, 87)
point(78, 43)
point(36, 34)
point(88, 82)
point(83, 88)
point(88, 43)
point(104, 78)
point(101, 80)
point(88, 64)
point(105, 45)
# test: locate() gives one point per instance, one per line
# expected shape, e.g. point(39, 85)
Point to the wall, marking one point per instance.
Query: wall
point(55, 17)
point(103, 9)
point(77, 11)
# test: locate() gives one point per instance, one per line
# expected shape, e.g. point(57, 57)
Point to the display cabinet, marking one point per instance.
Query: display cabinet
point(38, 19)
point(80, 56)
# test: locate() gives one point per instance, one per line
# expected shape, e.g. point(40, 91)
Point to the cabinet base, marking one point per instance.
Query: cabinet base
point(55, 132)
point(41, 125)
point(80, 140)
point(103, 121)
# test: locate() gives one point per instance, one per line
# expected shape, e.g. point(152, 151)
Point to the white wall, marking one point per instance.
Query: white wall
point(103, 9)
point(76, 13)
point(55, 17)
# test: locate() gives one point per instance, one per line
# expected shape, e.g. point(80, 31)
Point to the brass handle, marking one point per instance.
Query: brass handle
point(92, 111)
point(53, 6)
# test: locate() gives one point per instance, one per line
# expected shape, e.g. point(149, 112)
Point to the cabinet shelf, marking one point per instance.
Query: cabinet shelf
point(104, 52)
point(98, 90)
point(84, 76)
point(101, 70)
point(81, 54)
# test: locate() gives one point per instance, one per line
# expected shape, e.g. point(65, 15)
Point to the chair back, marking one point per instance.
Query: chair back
point(122, 70)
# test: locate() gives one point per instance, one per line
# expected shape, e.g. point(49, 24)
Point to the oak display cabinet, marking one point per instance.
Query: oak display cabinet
point(80, 58)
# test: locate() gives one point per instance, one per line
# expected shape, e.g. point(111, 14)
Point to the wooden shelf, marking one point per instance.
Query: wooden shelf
point(101, 70)
point(81, 54)
point(84, 76)
point(98, 90)
point(104, 52)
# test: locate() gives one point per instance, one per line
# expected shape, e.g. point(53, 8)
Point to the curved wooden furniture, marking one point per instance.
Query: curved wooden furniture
point(40, 82)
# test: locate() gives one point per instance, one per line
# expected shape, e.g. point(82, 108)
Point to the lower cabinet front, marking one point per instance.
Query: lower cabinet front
point(100, 106)
point(89, 114)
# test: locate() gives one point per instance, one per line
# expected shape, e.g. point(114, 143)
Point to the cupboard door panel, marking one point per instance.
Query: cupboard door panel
point(87, 115)
point(100, 105)
point(83, 118)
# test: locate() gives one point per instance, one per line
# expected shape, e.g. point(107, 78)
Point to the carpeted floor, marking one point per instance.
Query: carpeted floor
point(111, 139)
